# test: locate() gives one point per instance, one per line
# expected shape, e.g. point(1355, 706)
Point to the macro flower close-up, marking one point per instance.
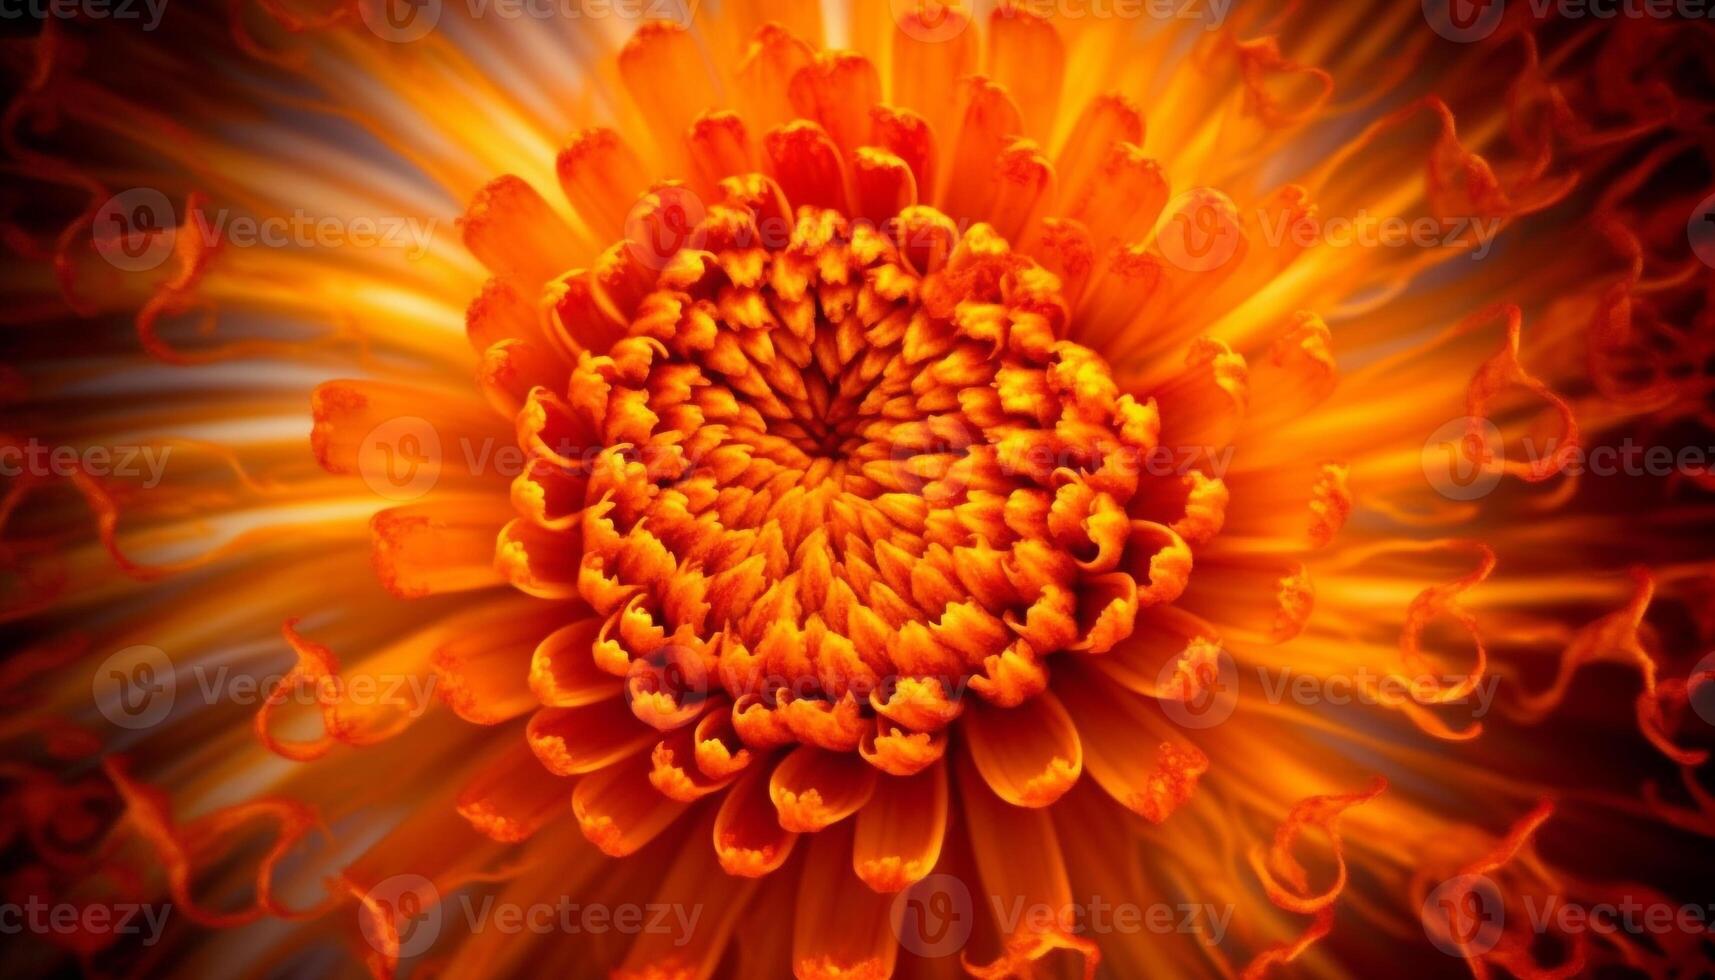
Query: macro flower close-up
point(868, 488)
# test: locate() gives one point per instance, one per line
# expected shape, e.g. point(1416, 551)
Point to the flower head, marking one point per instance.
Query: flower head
point(916, 491)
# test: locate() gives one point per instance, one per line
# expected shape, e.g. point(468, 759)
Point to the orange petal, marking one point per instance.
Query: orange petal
point(1018, 857)
point(1024, 190)
point(483, 672)
point(691, 947)
point(771, 60)
point(884, 185)
point(402, 439)
point(807, 165)
point(601, 178)
point(538, 561)
point(749, 840)
point(837, 89)
point(512, 797)
point(842, 929)
point(813, 788)
point(720, 148)
point(673, 769)
point(899, 832)
point(906, 135)
point(1027, 56)
point(934, 46)
point(619, 810)
point(900, 752)
point(512, 231)
point(434, 548)
point(500, 312)
point(1029, 755)
point(664, 71)
point(989, 124)
point(573, 741)
point(563, 671)
point(1115, 729)
point(1123, 199)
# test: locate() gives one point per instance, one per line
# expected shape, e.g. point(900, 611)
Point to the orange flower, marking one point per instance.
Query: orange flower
point(880, 424)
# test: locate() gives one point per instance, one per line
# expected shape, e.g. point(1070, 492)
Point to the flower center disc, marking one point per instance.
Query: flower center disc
point(849, 473)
